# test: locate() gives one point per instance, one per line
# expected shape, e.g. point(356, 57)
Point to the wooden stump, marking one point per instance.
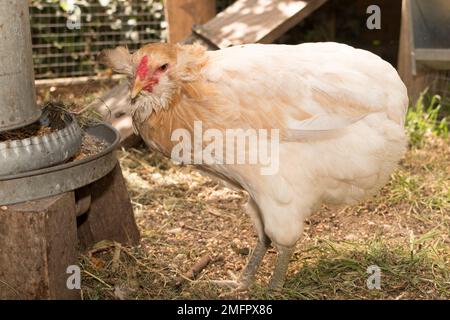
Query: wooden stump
point(110, 216)
point(37, 245)
point(38, 239)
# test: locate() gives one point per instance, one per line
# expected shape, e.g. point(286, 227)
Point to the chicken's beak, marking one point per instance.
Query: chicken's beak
point(137, 88)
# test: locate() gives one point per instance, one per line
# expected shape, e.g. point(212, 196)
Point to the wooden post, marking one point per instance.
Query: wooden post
point(181, 15)
point(37, 244)
point(110, 216)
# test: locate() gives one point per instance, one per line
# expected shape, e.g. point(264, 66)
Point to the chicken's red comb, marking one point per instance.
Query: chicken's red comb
point(142, 69)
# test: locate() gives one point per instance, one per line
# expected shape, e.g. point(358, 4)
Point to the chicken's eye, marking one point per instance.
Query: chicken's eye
point(164, 67)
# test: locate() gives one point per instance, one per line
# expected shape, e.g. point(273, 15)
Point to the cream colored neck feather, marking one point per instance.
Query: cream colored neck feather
point(147, 103)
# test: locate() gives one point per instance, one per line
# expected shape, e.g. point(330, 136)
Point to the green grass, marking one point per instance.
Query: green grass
point(338, 270)
point(424, 117)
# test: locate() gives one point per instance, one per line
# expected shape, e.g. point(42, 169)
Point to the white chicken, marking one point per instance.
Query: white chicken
point(339, 111)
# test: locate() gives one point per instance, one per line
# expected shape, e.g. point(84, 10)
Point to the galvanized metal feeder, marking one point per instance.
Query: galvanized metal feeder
point(18, 102)
point(57, 179)
point(31, 168)
point(40, 151)
point(49, 207)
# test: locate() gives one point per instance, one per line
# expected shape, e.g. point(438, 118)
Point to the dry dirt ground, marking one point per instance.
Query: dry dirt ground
point(185, 218)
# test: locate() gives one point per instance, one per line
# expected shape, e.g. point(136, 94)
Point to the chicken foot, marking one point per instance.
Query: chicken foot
point(248, 275)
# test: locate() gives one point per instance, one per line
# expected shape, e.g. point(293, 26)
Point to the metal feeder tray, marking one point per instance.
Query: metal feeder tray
point(38, 152)
point(65, 177)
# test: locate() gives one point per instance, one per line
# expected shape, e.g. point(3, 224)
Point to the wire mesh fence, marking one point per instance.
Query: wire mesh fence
point(66, 39)
point(440, 84)
point(68, 35)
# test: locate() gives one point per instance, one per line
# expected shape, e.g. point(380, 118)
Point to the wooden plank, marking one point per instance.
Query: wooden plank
point(197, 38)
point(38, 242)
point(181, 15)
point(256, 21)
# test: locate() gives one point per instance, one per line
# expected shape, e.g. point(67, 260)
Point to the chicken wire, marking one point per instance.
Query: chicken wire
point(64, 48)
point(68, 35)
point(440, 84)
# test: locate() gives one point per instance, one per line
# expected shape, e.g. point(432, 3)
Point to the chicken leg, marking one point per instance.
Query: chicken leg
point(248, 275)
point(279, 273)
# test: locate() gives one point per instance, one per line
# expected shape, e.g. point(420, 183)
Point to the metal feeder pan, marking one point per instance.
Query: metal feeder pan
point(62, 178)
point(41, 151)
